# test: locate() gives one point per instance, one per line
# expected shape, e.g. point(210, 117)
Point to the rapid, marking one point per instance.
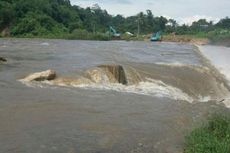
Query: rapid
point(112, 96)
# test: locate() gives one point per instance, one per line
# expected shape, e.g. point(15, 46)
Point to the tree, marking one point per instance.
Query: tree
point(118, 21)
point(171, 26)
point(7, 14)
point(59, 17)
point(150, 20)
point(200, 25)
point(224, 23)
point(160, 23)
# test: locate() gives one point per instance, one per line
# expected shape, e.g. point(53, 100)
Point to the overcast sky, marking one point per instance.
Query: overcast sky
point(184, 11)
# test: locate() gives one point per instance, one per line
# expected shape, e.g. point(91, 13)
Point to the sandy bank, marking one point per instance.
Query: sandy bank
point(185, 39)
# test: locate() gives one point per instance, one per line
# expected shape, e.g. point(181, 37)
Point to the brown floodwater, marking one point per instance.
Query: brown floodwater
point(170, 90)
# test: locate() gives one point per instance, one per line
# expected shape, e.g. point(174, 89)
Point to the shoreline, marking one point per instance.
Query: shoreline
point(166, 38)
point(196, 40)
point(186, 39)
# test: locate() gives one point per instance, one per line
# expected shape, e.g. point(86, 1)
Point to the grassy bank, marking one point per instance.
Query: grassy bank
point(211, 138)
point(214, 37)
point(75, 35)
point(223, 40)
point(217, 36)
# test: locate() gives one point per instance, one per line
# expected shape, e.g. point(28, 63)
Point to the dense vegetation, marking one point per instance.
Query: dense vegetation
point(59, 19)
point(212, 138)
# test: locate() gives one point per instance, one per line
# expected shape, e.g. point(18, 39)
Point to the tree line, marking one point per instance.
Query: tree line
point(57, 17)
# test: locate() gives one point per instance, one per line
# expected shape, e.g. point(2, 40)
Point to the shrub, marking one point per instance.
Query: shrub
point(211, 138)
point(85, 35)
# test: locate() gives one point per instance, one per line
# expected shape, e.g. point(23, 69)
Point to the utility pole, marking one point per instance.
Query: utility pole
point(93, 24)
point(138, 28)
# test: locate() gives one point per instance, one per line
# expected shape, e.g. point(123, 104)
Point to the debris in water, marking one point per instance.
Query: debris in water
point(117, 71)
point(222, 100)
point(2, 59)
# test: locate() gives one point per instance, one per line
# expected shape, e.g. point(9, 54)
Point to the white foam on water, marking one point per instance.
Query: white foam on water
point(33, 84)
point(177, 64)
point(44, 44)
point(204, 99)
point(219, 56)
point(227, 102)
point(150, 87)
point(38, 84)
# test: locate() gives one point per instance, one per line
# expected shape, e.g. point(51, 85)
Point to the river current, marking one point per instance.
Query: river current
point(170, 89)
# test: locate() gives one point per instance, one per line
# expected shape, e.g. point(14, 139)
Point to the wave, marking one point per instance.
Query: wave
point(171, 64)
point(44, 44)
point(188, 83)
point(152, 87)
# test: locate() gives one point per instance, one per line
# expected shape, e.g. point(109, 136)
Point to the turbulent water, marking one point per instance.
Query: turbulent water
point(110, 96)
point(219, 56)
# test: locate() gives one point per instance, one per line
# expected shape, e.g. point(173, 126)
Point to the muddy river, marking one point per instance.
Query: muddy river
point(160, 92)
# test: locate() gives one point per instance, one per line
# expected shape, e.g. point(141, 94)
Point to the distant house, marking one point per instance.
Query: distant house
point(204, 25)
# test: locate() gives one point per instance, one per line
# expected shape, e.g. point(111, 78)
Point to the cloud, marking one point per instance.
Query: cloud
point(102, 1)
point(184, 11)
point(191, 19)
point(123, 1)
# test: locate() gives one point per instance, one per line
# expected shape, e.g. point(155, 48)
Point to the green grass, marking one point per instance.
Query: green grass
point(77, 34)
point(211, 138)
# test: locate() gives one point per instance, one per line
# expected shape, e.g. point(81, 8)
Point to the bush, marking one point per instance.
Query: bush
point(37, 25)
point(7, 14)
point(220, 37)
point(211, 138)
point(85, 35)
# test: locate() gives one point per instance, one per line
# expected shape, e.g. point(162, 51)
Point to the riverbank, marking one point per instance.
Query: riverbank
point(211, 137)
point(198, 40)
point(186, 39)
point(84, 35)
